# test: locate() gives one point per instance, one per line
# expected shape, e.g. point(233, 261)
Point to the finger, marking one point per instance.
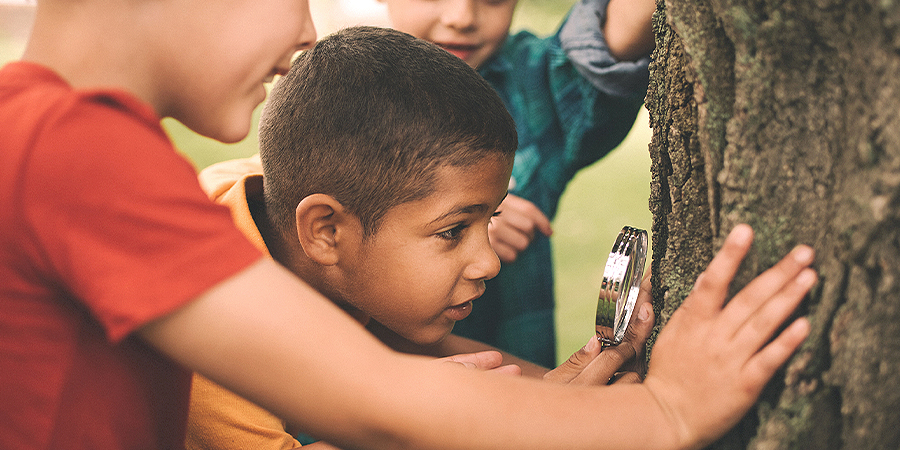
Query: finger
point(467, 365)
point(536, 219)
point(545, 228)
point(711, 286)
point(509, 369)
point(501, 234)
point(485, 360)
point(639, 328)
point(576, 363)
point(629, 354)
point(761, 325)
point(514, 238)
point(768, 283)
point(604, 366)
point(626, 378)
point(506, 253)
point(637, 333)
point(539, 220)
point(762, 366)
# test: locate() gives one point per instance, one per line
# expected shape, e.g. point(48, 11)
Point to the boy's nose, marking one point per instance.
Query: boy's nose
point(307, 37)
point(459, 14)
point(485, 262)
point(305, 40)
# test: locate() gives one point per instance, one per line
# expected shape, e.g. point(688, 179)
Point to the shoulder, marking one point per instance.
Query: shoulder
point(219, 178)
point(44, 111)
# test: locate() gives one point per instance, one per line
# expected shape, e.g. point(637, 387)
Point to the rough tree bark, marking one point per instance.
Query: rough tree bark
point(786, 115)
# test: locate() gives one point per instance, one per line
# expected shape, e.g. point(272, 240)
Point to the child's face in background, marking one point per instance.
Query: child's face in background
point(473, 30)
point(419, 273)
point(227, 50)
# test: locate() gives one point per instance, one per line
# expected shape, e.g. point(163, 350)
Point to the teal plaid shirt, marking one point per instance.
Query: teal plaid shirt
point(572, 103)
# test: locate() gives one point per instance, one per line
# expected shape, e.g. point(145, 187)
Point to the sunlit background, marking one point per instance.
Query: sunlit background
point(599, 201)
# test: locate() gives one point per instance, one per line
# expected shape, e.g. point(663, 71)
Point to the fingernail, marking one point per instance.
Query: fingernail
point(807, 277)
point(741, 234)
point(644, 312)
point(803, 254)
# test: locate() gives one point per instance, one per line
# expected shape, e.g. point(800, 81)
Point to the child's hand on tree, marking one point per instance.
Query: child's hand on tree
point(711, 362)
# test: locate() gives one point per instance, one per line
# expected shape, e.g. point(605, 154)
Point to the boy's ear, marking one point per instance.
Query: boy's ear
point(321, 223)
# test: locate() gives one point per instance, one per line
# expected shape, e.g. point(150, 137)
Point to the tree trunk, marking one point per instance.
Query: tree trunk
point(786, 116)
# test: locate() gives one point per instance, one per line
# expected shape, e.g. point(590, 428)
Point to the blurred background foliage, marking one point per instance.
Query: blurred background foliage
point(600, 200)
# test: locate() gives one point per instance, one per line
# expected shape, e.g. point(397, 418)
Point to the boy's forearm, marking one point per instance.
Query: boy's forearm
point(628, 29)
point(302, 358)
point(274, 340)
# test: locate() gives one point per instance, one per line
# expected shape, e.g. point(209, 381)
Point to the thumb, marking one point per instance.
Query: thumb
point(636, 337)
point(641, 326)
point(576, 363)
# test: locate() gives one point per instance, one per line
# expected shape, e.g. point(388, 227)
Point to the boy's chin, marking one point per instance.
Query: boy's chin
point(227, 133)
point(430, 337)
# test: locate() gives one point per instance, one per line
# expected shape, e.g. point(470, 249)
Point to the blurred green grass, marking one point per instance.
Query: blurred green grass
point(600, 200)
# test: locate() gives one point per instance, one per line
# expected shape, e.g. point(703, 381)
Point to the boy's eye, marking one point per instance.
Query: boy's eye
point(453, 234)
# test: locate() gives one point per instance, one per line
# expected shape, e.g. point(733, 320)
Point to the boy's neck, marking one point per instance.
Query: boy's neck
point(284, 252)
point(92, 44)
point(275, 243)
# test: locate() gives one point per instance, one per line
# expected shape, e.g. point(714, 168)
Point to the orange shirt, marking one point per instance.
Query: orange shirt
point(220, 419)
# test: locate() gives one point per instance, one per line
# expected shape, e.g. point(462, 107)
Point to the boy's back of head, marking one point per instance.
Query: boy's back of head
point(366, 116)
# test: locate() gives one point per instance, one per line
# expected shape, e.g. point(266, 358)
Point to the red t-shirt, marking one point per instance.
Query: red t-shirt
point(103, 228)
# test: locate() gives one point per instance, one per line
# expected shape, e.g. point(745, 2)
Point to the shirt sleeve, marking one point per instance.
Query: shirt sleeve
point(582, 39)
point(120, 218)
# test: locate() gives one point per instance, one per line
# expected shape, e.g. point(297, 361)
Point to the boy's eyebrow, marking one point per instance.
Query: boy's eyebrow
point(468, 209)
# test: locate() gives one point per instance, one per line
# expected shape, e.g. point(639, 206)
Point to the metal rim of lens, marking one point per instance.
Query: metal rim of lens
point(622, 277)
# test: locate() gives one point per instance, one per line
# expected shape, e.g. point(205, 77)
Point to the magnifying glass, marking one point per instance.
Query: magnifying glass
point(621, 285)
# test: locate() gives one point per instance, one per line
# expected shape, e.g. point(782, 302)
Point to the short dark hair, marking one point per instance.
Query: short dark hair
point(367, 116)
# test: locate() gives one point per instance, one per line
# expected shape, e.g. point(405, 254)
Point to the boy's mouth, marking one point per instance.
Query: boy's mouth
point(461, 311)
point(461, 51)
point(276, 71)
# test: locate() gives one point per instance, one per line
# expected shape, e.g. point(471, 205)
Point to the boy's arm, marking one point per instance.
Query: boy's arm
point(273, 339)
point(628, 31)
point(605, 60)
point(296, 354)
